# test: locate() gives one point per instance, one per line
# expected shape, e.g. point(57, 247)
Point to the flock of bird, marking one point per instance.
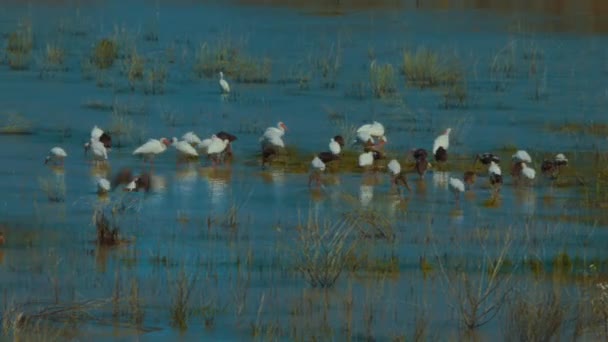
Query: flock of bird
point(371, 137)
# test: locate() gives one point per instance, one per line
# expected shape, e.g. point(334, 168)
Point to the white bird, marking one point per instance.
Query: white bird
point(521, 156)
point(318, 164)
point(216, 148)
point(103, 186)
point(494, 169)
point(394, 167)
point(152, 147)
point(279, 131)
point(456, 187)
point(560, 158)
point(56, 154)
point(442, 141)
point(204, 144)
point(100, 153)
point(334, 147)
point(366, 159)
point(527, 171)
point(364, 137)
point(191, 138)
point(184, 148)
point(96, 133)
point(377, 129)
point(224, 86)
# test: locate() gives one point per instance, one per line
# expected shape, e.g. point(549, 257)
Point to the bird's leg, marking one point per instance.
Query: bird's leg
point(310, 177)
point(318, 176)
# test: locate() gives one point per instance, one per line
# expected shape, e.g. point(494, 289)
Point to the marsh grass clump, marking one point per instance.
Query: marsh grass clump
point(383, 80)
point(425, 69)
point(322, 250)
point(107, 232)
point(52, 60)
point(123, 128)
point(19, 46)
point(105, 53)
point(328, 65)
point(227, 56)
point(455, 96)
point(155, 79)
point(15, 123)
point(371, 224)
point(134, 68)
point(534, 318)
point(180, 307)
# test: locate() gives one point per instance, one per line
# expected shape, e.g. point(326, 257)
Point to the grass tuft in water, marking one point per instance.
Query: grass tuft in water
point(383, 80)
point(180, 310)
point(105, 53)
point(19, 46)
point(425, 69)
point(322, 250)
point(534, 318)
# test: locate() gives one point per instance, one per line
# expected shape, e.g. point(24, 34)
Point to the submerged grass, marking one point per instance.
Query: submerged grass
point(424, 68)
point(15, 123)
point(383, 80)
point(19, 46)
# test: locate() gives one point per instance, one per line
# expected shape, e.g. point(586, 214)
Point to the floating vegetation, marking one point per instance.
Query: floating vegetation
point(15, 123)
point(156, 77)
point(593, 128)
point(107, 232)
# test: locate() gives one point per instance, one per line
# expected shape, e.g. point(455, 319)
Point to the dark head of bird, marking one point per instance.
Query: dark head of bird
point(124, 176)
point(377, 155)
point(327, 157)
point(339, 140)
point(143, 182)
point(106, 140)
point(226, 136)
point(269, 152)
point(421, 166)
point(487, 158)
point(419, 154)
point(441, 155)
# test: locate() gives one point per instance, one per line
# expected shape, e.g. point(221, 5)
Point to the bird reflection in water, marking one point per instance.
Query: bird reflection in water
point(366, 194)
point(526, 197)
point(186, 179)
point(276, 177)
point(440, 179)
point(421, 187)
point(457, 216)
point(218, 180)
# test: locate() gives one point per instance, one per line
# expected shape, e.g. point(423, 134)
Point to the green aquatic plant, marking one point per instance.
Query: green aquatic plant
point(155, 79)
point(227, 56)
point(182, 288)
point(382, 80)
point(105, 53)
point(133, 68)
point(425, 69)
point(19, 46)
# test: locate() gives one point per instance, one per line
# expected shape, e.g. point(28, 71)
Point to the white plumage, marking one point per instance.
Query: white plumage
point(560, 157)
point(494, 169)
point(191, 138)
point(366, 159)
point(224, 86)
point(334, 147)
point(521, 156)
point(377, 129)
point(318, 164)
point(456, 185)
point(273, 135)
point(217, 145)
point(96, 133)
point(103, 186)
point(364, 136)
point(184, 147)
point(442, 141)
point(368, 132)
point(100, 153)
point(204, 144)
point(56, 153)
point(527, 171)
point(152, 147)
point(394, 167)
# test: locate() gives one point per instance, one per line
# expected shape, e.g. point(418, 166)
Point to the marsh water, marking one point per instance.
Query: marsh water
point(226, 241)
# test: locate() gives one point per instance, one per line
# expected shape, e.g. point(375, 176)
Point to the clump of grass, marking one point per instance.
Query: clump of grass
point(455, 96)
point(19, 46)
point(328, 65)
point(424, 69)
point(383, 80)
point(371, 224)
point(123, 128)
point(53, 60)
point(105, 53)
point(155, 79)
point(14, 123)
point(107, 232)
point(589, 128)
point(322, 250)
point(180, 310)
point(226, 56)
point(133, 68)
point(534, 318)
